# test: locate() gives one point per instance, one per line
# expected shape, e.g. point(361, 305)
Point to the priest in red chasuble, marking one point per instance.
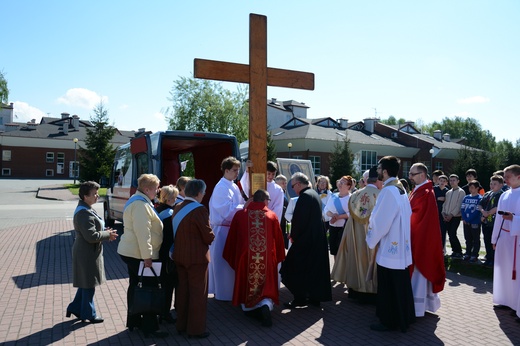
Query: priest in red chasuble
point(254, 247)
point(429, 273)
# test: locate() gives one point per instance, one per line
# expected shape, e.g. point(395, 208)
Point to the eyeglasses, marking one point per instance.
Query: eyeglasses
point(293, 185)
point(413, 174)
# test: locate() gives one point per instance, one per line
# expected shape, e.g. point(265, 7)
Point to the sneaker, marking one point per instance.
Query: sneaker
point(456, 255)
point(473, 259)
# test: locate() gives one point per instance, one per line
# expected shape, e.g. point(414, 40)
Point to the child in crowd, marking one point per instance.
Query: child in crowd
point(471, 221)
point(488, 207)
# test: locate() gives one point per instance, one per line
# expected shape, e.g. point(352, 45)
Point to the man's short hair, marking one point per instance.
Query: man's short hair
point(499, 172)
point(498, 178)
point(475, 183)
point(442, 176)
point(421, 167)
point(515, 169)
point(272, 167)
point(260, 196)
point(194, 187)
point(280, 177)
point(391, 164)
point(437, 173)
point(472, 172)
point(301, 178)
point(454, 176)
point(228, 163)
point(181, 183)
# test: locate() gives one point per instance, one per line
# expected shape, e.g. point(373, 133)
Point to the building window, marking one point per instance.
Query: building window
point(6, 172)
point(316, 163)
point(6, 155)
point(368, 159)
point(49, 173)
point(438, 165)
point(49, 157)
point(298, 157)
point(406, 167)
point(60, 163)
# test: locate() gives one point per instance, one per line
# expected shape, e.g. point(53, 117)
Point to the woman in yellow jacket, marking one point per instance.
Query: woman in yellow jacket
point(141, 241)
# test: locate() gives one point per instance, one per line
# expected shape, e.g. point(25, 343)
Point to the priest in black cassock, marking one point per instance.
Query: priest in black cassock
point(306, 270)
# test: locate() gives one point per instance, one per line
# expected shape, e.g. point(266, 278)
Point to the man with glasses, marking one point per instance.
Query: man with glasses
point(306, 271)
point(429, 273)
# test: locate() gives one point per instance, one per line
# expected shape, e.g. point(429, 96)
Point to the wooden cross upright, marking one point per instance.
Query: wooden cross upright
point(258, 76)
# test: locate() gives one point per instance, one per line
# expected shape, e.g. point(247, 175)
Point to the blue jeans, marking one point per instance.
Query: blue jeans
point(83, 304)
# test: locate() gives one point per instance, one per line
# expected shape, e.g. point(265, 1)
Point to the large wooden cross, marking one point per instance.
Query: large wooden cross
point(259, 76)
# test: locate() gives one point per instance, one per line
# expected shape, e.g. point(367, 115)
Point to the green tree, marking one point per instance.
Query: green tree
point(4, 91)
point(482, 161)
point(507, 154)
point(393, 121)
point(271, 148)
point(97, 158)
point(341, 160)
point(468, 128)
point(203, 105)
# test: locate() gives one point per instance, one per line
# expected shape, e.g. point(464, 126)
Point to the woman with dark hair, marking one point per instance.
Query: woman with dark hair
point(88, 270)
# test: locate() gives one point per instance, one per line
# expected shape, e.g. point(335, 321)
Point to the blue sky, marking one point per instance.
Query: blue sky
point(418, 60)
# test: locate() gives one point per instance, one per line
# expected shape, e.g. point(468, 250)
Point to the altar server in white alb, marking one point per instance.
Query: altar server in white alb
point(274, 190)
point(389, 229)
point(225, 201)
point(506, 231)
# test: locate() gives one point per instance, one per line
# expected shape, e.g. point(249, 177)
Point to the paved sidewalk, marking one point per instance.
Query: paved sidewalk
point(35, 281)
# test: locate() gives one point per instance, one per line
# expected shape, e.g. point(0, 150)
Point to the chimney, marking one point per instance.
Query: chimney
point(437, 134)
point(446, 137)
point(273, 101)
point(65, 115)
point(343, 123)
point(75, 122)
point(370, 124)
point(65, 128)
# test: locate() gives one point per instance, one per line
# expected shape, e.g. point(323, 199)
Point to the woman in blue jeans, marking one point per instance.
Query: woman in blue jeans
point(88, 270)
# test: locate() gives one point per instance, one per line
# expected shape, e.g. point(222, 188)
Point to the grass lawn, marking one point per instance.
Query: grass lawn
point(476, 270)
point(74, 189)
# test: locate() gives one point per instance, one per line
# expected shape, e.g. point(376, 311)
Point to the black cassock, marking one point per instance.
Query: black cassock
point(306, 270)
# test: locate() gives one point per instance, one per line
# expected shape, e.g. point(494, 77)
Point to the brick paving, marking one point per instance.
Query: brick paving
point(35, 282)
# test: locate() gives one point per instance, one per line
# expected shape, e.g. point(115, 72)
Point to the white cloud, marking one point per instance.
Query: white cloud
point(474, 99)
point(463, 114)
point(84, 98)
point(159, 116)
point(23, 112)
point(123, 106)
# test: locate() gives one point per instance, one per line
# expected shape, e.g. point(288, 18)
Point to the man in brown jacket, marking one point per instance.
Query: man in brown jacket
point(193, 235)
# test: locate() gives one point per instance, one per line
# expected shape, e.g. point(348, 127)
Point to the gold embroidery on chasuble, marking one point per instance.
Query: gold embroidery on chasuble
point(257, 256)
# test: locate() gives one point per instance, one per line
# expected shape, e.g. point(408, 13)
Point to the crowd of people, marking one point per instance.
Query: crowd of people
point(387, 237)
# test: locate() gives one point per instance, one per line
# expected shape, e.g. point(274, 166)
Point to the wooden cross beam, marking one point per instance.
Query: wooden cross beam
point(258, 76)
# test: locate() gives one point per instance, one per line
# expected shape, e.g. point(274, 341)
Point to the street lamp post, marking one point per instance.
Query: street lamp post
point(289, 145)
point(74, 168)
point(431, 160)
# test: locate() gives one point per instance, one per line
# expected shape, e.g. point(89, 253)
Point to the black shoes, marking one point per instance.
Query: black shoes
point(265, 316)
point(156, 334)
point(94, 320)
point(168, 319)
point(199, 336)
point(71, 313)
point(295, 304)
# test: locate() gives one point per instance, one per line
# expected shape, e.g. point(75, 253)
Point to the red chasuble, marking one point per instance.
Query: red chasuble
point(426, 237)
point(254, 247)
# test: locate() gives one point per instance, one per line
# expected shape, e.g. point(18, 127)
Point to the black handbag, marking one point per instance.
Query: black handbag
point(148, 299)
